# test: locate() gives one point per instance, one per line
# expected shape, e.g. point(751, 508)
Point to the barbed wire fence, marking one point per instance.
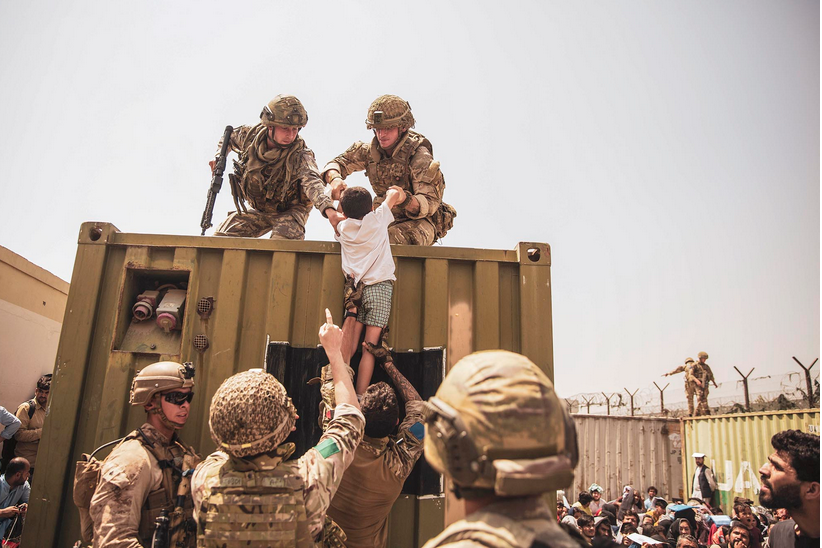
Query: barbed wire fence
point(746, 394)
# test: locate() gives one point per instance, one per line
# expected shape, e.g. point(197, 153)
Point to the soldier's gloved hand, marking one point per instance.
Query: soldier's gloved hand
point(212, 164)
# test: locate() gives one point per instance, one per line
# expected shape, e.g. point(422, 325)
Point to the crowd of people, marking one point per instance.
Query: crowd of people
point(787, 514)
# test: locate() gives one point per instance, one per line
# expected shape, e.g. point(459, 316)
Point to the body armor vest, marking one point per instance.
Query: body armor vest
point(255, 505)
point(181, 522)
point(263, 185)
point(384, 172)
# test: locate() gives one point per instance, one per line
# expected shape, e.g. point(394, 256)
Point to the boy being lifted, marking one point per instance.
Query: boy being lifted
point(366, 257)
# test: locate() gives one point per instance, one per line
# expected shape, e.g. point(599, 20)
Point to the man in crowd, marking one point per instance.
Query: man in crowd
point(401, 157)
point(596, 496)
point(631, 517)
point(141, 476)
point(686, 541)
point(790, 479)
point(650, 498)
point(10, 426)
point(250, 475)
point(586, 526)
point(31, 414)
point(382, 462)
point(657, 510)
point(703, 483)
point(498, 431)
point(744, 514)
point(583, 504)
point(14, 493)
point(276, 174)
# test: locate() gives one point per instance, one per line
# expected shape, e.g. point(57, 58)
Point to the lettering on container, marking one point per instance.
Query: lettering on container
point(747, 478)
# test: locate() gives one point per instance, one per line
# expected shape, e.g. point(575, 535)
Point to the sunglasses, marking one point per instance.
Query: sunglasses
point(178, 398)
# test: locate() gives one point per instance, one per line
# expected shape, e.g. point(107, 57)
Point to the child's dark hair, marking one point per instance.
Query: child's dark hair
point(380, 408)
point(356, 202)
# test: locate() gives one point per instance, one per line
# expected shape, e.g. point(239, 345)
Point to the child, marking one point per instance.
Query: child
point(366, 257)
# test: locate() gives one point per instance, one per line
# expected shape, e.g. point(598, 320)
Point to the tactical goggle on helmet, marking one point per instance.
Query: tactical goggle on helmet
point(508, 471)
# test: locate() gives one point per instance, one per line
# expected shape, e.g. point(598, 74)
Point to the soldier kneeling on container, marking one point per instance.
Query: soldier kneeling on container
point(141, 477)
point(245, 493)
point(498, 431)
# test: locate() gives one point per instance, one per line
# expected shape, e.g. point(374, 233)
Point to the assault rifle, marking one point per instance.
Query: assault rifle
point(216, 181)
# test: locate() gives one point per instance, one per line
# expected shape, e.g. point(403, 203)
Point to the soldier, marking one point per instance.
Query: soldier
point(401, 157)
point(702, 375)
point(382, 462)
point(276, 174)
point(690, 385)
point(498, 431)
point(142, 475)
point(245, 493)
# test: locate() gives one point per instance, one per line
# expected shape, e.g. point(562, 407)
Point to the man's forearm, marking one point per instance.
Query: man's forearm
point(343, 387)
point(406, 389)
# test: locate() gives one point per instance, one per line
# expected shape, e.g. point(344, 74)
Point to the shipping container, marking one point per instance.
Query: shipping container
point(736, 446)
point(619, 451)
point(243, 303)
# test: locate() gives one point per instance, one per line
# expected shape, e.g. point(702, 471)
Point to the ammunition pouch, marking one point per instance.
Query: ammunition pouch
point(443, 219)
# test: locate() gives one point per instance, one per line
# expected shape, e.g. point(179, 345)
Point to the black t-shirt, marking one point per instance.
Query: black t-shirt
point(783, 536)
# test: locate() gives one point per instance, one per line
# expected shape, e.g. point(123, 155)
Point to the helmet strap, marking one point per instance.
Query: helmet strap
point(158, 410)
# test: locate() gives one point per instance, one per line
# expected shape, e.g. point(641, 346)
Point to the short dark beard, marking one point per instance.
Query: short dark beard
point(788, 496)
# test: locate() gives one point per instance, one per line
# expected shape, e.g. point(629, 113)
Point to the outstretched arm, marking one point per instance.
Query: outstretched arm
point(331, 339)
point(406, 389)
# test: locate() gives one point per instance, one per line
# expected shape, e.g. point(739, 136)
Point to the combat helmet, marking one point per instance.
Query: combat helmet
point(250, 413)
point(496, 425)
point(689, 360)
point(160, 377)
point(702, 355)
point(389, 111)
point(284, 110)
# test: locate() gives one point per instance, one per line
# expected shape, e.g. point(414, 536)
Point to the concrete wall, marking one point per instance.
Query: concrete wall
point(32, 303)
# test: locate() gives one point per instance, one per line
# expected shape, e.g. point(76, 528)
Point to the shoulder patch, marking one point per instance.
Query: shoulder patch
point(417, 430)
point(327, 447)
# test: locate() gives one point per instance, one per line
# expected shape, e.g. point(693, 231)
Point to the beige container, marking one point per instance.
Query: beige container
point(637, 451)
point(736, 446)
point(243, 294)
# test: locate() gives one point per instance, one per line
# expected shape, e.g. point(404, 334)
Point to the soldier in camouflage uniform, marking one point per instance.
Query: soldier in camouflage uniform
point(276, 174)
point(690, 385)
point(498, 431)
point(246, 493)
point(401, 157)
point(702, 376)
point(141, 476)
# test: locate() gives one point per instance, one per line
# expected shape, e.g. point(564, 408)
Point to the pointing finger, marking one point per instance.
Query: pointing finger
point(328, 319)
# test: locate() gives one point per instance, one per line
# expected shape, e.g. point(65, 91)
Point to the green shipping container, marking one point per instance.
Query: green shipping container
point(736, 446)
point(259, 303)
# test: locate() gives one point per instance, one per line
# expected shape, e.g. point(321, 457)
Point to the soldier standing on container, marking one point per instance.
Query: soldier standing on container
point(497, 430)
point(702, 376)
point(703, 482)
point(690, 390)
point(401, 157)
point(276, 174)
point(141, 476)
point(245, 493)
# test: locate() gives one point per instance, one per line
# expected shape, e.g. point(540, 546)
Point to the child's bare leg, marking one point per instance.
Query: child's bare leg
point(366, 369)
point(352, 331)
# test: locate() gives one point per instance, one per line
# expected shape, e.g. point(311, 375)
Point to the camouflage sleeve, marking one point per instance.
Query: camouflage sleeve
point(709, 375)
point(680, 369)
point(126, 478)
point(312, 186)
point(322, 466)
point(205, 477)
point(237, 138)
point(352, 160)
point(412, 433)
point(426, 182)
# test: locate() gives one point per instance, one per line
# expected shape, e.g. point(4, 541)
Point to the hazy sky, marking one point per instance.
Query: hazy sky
point(667, 151)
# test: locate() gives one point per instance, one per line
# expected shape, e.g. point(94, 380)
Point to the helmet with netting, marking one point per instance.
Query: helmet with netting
point(389, 111)
point(160, 377)
point(702, 355)
point(250, 413)
point(496, 424)
point(284, 110)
